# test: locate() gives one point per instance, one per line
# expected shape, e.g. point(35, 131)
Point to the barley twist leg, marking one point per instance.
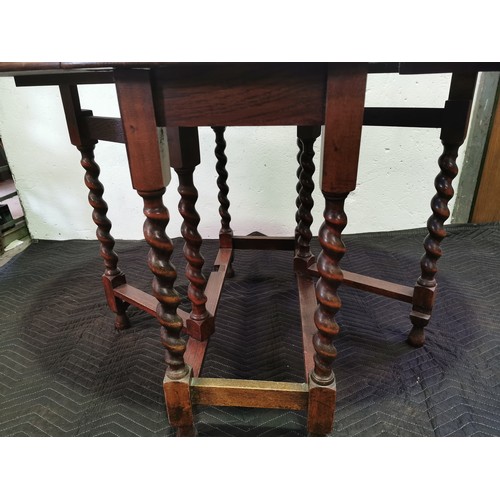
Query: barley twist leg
point(112, 275)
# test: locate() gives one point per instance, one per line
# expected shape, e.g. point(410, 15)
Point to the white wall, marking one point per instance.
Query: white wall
point(395, 182)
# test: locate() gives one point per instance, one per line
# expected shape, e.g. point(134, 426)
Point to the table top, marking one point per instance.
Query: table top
point(35, 68)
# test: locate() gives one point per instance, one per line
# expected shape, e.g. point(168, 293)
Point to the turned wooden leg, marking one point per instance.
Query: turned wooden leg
point(149, 176)
point(184, 153)
point(425, 289)
point(453, 133)
point(79, 136)
point(165, 274)
point(225, 233)
point(306, 136)
point(340, 154)
point(298, 187)
point(200, 324)
point(176, 383)
point(112, 276)
point(322, 388)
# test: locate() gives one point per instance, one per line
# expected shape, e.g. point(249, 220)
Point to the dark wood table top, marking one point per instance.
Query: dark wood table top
point(26, 68)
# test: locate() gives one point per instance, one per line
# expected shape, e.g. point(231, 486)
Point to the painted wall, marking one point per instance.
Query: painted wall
point(395, 182)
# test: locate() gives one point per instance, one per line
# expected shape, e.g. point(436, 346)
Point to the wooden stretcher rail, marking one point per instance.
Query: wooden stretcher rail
point(249, 393)
point(195, 350)
point(263, 243)
point(111, 129)
point(66, 78)
point(404, 117)
point(373, 285)
point(137, 298)
point(148, 302)
point(307, 301)
point(195, 354)
point(104, 128)
point(216, 279)
point(142, 300)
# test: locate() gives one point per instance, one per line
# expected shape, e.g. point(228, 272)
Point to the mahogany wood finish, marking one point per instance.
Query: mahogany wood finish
point(343, 122)
point(178, 401)
point(308, 303)
point(137, 298)
point(342, 136)
point(136, 108)
point(133, 88)
point(184, 156)
point(225, 233)
point(104, 128)
point(182, 97)
point(142, 300)
point(305, 187)
point(157, 218)
point(250, 94)
point(321, 406)
point(262, 242)
point(64, 78)
point(373, 285)
point(195, 353)
point(330, 279)
point(221, 271)
point(453, 133)
point(112, 276)
point(80, 136)
point(298, 187)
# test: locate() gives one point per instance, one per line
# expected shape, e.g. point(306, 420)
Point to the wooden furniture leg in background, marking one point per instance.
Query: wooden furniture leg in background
point(112, 276)
point(306, 137)
point(453, 133)
point(184, 150)
point(225, 233)
point(137, 112)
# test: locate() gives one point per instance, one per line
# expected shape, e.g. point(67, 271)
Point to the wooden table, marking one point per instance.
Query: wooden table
point(181, 97)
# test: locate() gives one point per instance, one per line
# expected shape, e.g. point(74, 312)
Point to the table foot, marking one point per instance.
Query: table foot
point(423, 303)
point(178, 401)
point(416, 337)
point(321, 408)
point(122, 321)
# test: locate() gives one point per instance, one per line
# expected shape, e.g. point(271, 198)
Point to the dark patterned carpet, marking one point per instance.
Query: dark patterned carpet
point(65, 371)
